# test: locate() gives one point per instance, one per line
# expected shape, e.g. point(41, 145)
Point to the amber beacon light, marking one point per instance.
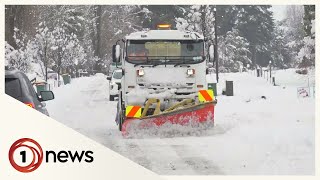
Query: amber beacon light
point(164, 26)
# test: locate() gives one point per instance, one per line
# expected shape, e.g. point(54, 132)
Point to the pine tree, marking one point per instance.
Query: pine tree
point(309, 16)
point(282, 52)
point(306, 55)
point(255, 23)
point(234, 51)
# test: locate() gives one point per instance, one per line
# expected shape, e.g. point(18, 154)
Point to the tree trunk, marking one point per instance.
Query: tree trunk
point(10, 12)
point(59, 64)
point(98, 23)
point(45, 61)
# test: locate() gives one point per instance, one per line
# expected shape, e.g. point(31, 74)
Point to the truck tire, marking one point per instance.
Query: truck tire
point(120, 121)
point(111, 98)
point(121, 112)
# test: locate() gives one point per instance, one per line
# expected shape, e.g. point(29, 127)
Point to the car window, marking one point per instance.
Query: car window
point(117, 75)
point(13, 87)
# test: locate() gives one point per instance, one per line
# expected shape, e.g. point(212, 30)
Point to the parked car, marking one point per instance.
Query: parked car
point(113, 66)
point(114, 84)
point(18, 86)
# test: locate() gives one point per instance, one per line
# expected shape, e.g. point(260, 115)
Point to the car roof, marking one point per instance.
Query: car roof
point(117, 70)
point(13, 74)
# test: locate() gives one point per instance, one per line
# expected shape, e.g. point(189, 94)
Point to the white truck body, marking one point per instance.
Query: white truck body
point(164, 78)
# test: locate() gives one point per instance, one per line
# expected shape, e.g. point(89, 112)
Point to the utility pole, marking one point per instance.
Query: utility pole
point(216, 43)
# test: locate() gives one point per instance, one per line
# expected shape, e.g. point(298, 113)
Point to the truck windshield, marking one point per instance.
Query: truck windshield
point(169, 52)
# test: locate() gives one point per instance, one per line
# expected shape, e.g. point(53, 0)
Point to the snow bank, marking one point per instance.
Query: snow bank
point(289, 77)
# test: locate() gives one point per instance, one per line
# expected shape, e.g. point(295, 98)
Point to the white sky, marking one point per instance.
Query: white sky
point(279, 12)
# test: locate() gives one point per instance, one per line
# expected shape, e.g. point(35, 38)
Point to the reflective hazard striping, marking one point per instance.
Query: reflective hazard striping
point(205, 95)
point(133, 111)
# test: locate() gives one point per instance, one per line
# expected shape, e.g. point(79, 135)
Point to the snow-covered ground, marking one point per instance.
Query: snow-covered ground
point(252, 135)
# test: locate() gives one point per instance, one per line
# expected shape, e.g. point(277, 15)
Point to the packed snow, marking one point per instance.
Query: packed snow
point(261, 130)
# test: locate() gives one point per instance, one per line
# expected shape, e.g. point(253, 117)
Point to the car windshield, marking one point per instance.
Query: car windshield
point(117, 75)
point(13, 87)
point(171, 52)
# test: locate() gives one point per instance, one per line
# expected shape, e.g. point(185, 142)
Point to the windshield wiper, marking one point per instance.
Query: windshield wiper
point(138, 64)
point(185, 62)
point(147, 62)
point(156, 64)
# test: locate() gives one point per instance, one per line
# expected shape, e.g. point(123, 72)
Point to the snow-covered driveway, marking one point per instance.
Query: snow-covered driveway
point(252, 135)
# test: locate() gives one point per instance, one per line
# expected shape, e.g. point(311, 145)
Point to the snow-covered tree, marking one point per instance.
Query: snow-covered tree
point(281, 47)
point(234, 51)
point(115, 23)
point(306, 55)
point(17, 58)
point(67, 51)
point(39, 47)
point(255, 23)
point(198, 18)
point(156, 14)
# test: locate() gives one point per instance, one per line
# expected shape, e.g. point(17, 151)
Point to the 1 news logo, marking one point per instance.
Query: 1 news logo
point(24, 144)
point(26, 155)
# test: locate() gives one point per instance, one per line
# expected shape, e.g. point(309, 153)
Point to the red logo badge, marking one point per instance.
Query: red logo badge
point(36, 150)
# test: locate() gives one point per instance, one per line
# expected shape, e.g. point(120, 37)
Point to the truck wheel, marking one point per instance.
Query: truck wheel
point(120, 121)
point(111, 98)
point(121, 112)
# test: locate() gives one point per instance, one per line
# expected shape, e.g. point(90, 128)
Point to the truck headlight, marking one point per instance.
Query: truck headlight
point(140, 72)
point(191, 72)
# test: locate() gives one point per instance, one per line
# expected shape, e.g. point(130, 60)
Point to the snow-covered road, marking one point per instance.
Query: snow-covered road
point(252, 135)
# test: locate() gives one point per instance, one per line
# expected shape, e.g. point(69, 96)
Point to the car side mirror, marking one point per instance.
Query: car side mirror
point(116, 51)
point(211, 53)
point(109, 78)
point(46, 95)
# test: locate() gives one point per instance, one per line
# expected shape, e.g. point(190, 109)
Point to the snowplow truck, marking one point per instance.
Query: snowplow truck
point(164, 79)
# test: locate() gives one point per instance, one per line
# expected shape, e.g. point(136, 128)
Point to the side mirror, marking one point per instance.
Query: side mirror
point(116, 53)
point(46, 95)
point(109, 78)
point(211, 53)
